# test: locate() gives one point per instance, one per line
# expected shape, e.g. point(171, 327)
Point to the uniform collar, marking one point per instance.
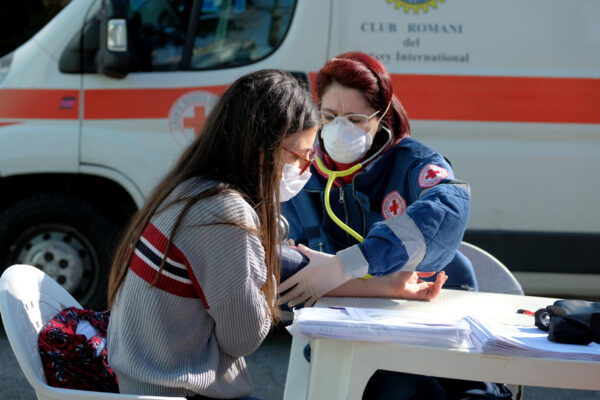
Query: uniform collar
point(319, 178)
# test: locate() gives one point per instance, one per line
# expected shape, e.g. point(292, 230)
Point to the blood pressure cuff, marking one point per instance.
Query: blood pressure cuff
point(570, 321)
point(292, 261)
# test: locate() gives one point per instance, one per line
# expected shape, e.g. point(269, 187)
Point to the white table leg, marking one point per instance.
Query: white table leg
point(334, 374)
point(296, 381)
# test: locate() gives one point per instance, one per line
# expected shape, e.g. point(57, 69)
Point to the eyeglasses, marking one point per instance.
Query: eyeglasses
point(360, 120)
point(308, 160)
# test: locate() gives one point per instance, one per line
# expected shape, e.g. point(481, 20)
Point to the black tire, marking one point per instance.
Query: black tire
point(66, 237)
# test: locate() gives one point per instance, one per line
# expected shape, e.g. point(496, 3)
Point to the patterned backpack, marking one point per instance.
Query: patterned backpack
point(77, 360)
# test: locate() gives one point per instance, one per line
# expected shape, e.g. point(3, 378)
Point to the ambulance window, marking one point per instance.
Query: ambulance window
point(156, 31)
point(231, 33)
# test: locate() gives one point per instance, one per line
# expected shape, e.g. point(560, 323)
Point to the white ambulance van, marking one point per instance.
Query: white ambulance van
point(95, 108)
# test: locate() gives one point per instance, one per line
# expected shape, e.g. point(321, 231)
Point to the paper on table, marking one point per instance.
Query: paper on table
point(375, 325)
point(478, 332)
point(525, 340)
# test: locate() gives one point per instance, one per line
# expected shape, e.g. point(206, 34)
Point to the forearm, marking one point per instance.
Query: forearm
point(378, 286)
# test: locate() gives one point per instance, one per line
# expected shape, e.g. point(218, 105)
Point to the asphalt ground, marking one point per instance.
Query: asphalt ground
point(268, 367)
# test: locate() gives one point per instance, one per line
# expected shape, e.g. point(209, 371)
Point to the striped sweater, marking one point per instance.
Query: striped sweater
point(188, 334)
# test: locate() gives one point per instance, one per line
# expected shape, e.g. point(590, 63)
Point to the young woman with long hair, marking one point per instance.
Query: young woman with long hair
point(193, 283)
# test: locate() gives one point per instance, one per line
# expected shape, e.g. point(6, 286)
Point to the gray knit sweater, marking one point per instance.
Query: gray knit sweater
point(188, 334)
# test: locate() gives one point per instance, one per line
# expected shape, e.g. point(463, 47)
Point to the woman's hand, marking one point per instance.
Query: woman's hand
point(409, 285)
point(323, 273)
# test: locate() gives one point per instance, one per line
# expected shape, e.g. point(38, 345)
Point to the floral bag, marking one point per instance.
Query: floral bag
point(73, 351)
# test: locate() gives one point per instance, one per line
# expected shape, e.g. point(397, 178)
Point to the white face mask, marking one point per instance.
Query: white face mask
point(292, 182)
point(344, 141)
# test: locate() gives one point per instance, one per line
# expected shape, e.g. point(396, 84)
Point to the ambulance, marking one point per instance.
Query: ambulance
point(95, 108)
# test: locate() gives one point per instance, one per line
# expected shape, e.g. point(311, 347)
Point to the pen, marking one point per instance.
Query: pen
point(523, 311)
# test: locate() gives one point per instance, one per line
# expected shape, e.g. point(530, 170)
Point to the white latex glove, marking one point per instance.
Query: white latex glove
point(324, 272)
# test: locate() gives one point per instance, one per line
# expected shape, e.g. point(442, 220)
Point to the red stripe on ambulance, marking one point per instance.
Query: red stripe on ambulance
point(39, 103)
point(425, 97)
point(10, 123)
point(136, 103)
point(500, 99)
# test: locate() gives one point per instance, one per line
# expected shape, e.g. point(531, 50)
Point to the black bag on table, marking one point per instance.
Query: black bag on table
point(570, 321)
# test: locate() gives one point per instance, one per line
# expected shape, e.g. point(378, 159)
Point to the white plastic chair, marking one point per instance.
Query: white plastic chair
point(28, 300)
point(492, 275)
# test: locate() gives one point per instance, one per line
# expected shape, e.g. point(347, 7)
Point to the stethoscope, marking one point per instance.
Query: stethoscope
point(333, 175)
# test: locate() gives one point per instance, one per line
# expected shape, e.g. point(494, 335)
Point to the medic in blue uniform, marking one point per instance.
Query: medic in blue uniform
point(398, 206)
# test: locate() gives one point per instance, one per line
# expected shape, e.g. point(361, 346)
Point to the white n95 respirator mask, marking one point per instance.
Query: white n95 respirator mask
point(292, 181)
point(344, 141)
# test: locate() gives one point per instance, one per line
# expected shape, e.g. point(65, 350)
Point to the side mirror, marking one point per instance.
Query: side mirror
point(113, 56)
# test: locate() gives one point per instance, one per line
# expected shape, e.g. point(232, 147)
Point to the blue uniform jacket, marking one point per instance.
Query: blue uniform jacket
point(406, 204)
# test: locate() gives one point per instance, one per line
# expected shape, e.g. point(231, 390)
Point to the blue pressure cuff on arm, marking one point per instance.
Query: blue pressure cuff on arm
point(292, 261)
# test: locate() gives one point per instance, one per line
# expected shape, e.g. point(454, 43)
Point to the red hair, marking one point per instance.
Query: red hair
point(364, 73)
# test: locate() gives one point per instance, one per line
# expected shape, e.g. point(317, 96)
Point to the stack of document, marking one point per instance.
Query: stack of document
point(375, 325)
point(525, 340)
point(511, 337)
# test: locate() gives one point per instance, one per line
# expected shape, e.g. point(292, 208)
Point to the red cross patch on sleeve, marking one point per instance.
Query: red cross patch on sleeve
point(431, 175)
point(393, 205)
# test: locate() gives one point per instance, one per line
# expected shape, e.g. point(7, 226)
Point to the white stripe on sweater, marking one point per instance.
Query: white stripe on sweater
point(164, 272)
point(161, 255)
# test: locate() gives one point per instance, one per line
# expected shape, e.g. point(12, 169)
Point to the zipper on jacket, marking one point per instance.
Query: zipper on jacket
point(360, 207)
point(342, 201)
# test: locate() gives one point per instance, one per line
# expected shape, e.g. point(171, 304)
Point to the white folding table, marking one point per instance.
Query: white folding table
point(340, 369)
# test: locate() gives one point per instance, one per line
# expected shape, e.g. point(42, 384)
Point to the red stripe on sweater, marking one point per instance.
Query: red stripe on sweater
point(157, 239)
point(169, 285)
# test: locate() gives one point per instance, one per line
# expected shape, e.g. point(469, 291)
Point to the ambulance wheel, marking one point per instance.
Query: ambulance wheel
point(64, 236)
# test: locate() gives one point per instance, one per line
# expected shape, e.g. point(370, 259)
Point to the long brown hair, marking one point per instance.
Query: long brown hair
point(240, 146)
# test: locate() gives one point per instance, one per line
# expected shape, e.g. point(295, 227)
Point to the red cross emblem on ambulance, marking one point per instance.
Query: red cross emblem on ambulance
point(196, 121)
point(393, 205)
point(431, 175)
point(188, 114)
